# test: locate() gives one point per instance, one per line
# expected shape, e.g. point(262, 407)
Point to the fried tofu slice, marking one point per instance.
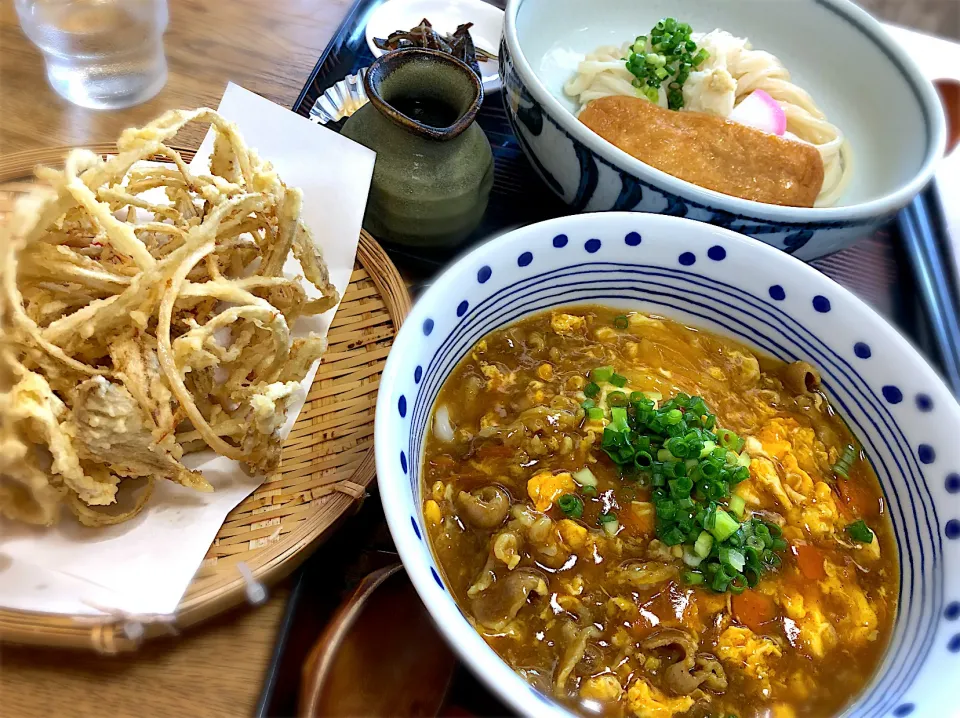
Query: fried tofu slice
point(709, 151)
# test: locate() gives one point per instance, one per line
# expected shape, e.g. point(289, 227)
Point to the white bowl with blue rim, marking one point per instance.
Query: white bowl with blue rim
point(856, 72)
point(726, 283)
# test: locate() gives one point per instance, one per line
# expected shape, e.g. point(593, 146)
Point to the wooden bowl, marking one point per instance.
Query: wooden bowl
point(379, 656)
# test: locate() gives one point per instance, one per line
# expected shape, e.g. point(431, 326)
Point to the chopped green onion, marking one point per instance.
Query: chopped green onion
point(589, 490)
point(571, 505)
point(703, 544)
point(588, 404)
point(620, 321)
point(611, 527)
point(720, 581)
point(617, 398)
point(675, 449)
point(673, 417)
point(680, 488)
point(618, 380)
point(595, 413)
point(859, 531)
point(618, 419)
point(724, 526)
point(756, 544)
point(606, 518)
point(732, 558)
point(601, 374)
point(738, 585)
point(591, 390)
point(673, 537)
point(843, 465)
point(729, 440)
point(692, 578)
point(585, 477)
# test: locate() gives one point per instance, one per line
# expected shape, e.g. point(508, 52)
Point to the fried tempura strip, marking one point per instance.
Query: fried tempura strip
point(12, 242)
point(158, 323)
point(311, 259)
point(143, 294)
point(119, 234)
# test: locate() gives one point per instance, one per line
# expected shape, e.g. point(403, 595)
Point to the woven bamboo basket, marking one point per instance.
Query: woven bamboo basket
point(326, 467)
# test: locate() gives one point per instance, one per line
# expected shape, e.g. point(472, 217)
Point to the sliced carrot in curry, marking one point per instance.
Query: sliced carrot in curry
point(753, 609)
point(640, 519)
point(856, 498)
point(809, 559)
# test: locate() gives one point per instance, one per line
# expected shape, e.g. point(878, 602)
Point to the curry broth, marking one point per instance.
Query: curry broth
point(562, 599)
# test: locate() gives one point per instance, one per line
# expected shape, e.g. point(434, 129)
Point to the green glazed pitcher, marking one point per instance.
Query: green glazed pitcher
point(434, 166)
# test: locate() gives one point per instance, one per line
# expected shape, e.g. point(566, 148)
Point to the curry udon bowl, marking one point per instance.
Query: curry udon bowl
point(861, 79)
point(719, 281)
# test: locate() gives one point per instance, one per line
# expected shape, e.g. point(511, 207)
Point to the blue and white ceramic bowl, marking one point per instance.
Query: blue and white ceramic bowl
point(713, 278)
point(857, 73)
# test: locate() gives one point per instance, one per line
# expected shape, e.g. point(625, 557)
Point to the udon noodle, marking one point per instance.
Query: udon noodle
point(732, 71)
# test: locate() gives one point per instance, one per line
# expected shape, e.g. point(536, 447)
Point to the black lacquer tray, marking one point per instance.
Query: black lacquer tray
point(904, 271)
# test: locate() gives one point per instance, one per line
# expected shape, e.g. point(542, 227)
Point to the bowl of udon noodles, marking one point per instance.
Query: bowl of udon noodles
point(800, 123)
point(638, 465)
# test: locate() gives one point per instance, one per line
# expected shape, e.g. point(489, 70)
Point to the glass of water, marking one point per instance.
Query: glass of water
point(103, 54)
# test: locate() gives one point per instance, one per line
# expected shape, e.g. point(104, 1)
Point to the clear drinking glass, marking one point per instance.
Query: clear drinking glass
point(104, 54)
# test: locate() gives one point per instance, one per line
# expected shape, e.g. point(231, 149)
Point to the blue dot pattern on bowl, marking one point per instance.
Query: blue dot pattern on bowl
point(891, 702)
point(416, 529)
point(427, 327)
point(436, 577)
point(524, 259)
point(402, 406)
point(717, 253)
point(687, 259)
point(462, 308)
point(892, 394)
point(403, 462)
point(417, 374)
point(953, 483)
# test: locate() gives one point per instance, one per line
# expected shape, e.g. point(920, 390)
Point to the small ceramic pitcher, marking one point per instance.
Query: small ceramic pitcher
point(434, 166)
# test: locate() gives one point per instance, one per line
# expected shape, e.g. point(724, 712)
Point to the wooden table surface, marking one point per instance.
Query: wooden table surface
point(269, 47)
